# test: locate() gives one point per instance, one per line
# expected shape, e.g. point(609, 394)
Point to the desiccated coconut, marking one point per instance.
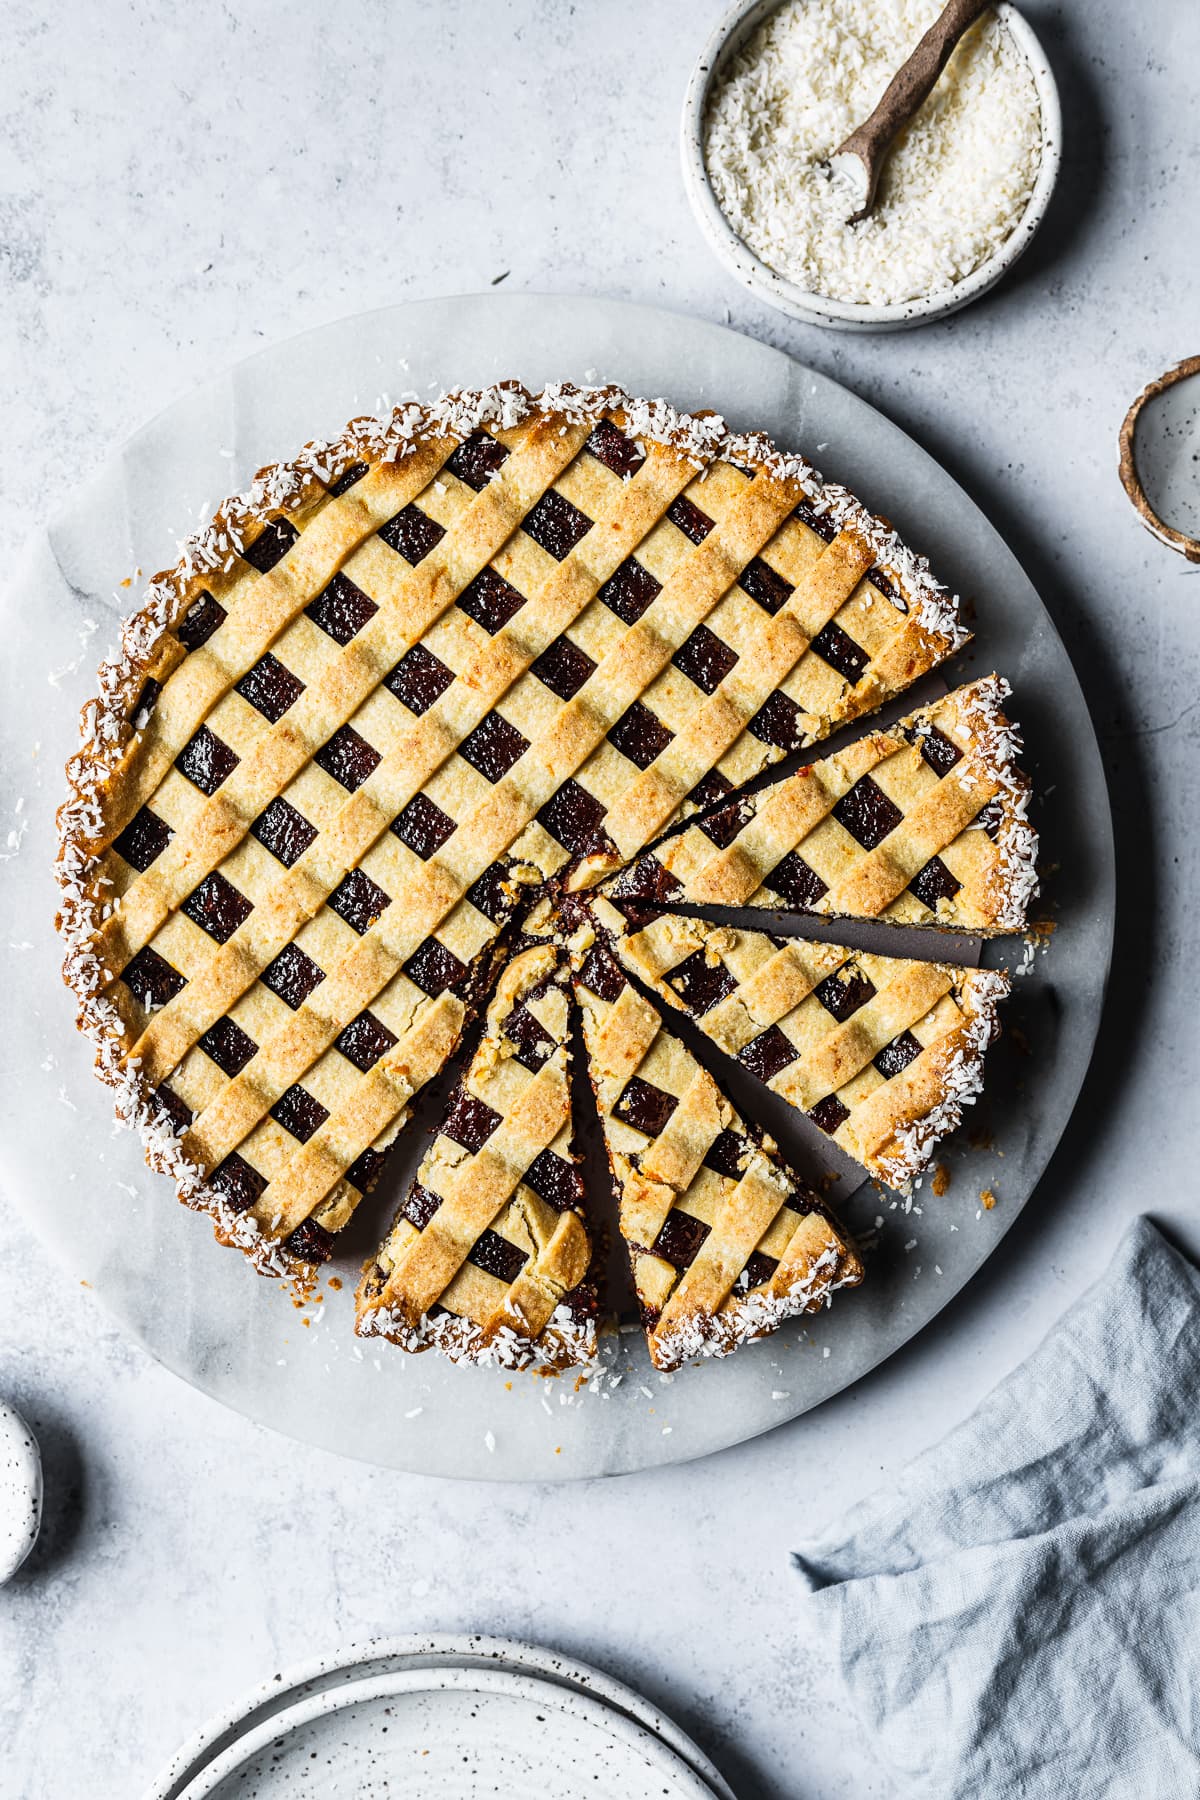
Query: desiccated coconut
point(953, 189)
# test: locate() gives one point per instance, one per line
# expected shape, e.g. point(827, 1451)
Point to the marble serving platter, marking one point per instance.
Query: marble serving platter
point(199, 1309)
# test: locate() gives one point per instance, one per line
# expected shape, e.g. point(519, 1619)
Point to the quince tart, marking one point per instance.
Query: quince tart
point(451, 656)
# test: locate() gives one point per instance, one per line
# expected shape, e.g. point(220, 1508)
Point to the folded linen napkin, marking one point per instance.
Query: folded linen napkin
point(1020, 1614)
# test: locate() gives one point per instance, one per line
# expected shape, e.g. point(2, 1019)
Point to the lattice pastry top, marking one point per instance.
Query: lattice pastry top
point(453, 653)
point(926, 823)
point(725, 1242)
point(881, 1052)
point(490, 1257)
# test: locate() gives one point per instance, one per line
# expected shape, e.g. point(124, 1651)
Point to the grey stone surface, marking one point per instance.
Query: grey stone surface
point(179, 187)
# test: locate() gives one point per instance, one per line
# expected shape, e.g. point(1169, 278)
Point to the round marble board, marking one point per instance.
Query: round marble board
point(200, 1309)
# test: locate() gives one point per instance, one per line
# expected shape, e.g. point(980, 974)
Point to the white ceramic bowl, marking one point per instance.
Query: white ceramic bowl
point(727, 39)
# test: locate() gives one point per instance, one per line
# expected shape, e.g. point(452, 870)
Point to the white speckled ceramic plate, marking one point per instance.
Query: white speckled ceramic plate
point(382, 1657)
point(440, 1725)
point(201, 1310)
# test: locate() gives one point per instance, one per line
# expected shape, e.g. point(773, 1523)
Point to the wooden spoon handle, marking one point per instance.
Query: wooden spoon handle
point(913, 81)
point(908, 89)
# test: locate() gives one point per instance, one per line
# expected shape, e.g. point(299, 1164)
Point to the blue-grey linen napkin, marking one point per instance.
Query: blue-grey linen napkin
point(1019, 1615)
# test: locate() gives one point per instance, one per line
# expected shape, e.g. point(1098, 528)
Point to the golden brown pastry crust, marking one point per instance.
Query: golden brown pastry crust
point(490, 1257)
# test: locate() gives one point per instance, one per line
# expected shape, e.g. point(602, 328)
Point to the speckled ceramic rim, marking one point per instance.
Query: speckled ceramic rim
point(272, 1699)
point(728, 37)
point(21, 1475)
point(508, 1683)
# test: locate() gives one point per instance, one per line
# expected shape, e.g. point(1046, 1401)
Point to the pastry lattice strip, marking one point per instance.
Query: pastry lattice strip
point(490, 1258)
point(725, 1242)
point(881, 1052)
point(486, 680)
point(923, 824)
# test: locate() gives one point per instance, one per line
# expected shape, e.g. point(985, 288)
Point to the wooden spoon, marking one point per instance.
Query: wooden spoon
point(859, 161)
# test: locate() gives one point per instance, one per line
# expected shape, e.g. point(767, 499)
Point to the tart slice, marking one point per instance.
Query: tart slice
point(925, 823)
point(881, 1052)
point(724, 1241)
point(489, 1258)
point(281, 1165)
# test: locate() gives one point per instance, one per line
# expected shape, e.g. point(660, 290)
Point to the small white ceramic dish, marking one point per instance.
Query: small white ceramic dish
point(457, 1732)
point(20, 1491)
point(728, 37)
point(264, 1711)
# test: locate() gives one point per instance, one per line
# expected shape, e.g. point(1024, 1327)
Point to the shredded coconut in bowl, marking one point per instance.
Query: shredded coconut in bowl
point(953, 189)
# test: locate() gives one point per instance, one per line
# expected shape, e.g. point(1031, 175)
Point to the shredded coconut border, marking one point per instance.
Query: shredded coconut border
point(758, 1313)
point(1016, 840)
point(962, 1078)
point(564, 1342)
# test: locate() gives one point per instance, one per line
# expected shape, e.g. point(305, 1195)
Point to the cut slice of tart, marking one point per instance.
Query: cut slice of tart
point(478, 643)
point(287, 1166)
point(881, 1052)
point(490, 1258)
point(725, 1242)
point(925, 823)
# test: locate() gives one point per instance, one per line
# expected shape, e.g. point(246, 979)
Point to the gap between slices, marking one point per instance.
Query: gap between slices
point(444, 660)
point(490, 1258)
